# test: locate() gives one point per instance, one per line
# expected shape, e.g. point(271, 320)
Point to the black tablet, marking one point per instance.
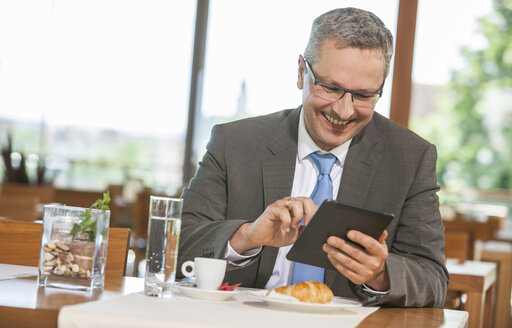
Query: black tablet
point(335, 218)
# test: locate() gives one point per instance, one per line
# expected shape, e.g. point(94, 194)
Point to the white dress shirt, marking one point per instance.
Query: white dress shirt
point(304, 182)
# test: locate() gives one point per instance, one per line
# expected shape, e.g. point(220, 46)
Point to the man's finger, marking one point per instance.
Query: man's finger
point(353, 251)
point(347, 272)
point(310, 209)
point(383, 237)
point(285, 218)
point(370, 244)
point(297, 212)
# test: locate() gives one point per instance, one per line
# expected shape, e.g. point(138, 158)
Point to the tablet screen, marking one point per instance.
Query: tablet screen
point(335, 218)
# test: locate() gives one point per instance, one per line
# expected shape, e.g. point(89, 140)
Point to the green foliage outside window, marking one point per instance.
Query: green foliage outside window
point(472, 127)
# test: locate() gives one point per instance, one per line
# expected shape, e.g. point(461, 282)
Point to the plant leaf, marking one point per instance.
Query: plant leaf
point(89, 227)
point(75, 230)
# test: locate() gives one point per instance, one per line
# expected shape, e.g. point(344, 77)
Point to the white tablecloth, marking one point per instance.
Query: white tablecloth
point(137, 310)
point(9, 271)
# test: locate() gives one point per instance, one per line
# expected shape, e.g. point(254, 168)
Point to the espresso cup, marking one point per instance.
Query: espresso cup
point(209, 272)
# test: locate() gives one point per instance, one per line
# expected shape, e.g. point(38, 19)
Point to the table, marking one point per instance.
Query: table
point(500, 253)
point(24, 304)
point(476, 279)
point(503, 235)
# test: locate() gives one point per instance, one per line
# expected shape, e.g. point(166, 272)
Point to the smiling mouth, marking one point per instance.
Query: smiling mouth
point(334, 121)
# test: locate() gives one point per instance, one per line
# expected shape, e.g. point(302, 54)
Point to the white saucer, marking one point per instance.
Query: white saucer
point(204, 294)
point(337, 304)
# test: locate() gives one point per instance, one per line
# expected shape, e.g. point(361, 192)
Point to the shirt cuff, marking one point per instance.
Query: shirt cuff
point(232, 256)
point(370, 290)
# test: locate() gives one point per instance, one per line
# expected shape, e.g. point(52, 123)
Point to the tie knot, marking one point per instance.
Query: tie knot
point(324, 162)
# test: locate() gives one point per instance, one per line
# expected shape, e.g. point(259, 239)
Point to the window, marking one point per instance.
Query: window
point(462, 93)
point(252, 53)
point(101, 85)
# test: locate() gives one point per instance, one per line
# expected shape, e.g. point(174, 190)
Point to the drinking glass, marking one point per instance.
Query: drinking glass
point(162, 245)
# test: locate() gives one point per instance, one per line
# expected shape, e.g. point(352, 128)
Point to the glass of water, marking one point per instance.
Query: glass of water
point(162, 245)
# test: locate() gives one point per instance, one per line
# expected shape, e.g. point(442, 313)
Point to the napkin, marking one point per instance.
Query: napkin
point(9, 271)
point(137, 310)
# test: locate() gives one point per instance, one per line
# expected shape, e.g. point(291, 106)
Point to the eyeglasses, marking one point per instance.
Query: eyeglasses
point(332, 93)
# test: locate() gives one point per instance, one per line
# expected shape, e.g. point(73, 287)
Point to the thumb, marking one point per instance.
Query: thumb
point(383, 237)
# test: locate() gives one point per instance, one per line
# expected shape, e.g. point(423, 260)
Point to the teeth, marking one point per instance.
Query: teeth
point(335, 121)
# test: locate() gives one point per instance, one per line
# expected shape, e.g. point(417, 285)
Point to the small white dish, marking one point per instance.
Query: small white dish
point(205, 294)
point(337, 304)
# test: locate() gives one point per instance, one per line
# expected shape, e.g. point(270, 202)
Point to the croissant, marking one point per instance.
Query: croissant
point(308, 291)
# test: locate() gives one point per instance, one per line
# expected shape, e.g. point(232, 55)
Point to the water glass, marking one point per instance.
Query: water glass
point(162, 245)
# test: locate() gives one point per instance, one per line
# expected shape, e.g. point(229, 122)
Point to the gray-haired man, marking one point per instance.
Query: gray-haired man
point(253, 186)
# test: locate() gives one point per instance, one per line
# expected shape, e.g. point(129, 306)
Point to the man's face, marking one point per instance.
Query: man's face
point(329, 123)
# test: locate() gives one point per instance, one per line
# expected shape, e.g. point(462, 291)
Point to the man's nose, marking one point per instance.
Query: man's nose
point(344, 107)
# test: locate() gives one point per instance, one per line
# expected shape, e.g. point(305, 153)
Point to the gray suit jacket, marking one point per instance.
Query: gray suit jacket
point(250, 163)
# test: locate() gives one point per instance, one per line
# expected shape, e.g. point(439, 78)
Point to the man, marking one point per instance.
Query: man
point(253, 186)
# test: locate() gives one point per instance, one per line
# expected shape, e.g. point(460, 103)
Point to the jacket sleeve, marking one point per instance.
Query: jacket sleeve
point(204, 228)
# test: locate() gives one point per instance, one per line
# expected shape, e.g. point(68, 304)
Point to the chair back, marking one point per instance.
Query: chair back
point(457, 245)
point(141, 214)
point(19, 207)
point(20, 243)
point(45, 193)
point(79, 198)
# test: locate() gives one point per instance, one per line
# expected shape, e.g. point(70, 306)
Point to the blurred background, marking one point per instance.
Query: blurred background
point(121, 95)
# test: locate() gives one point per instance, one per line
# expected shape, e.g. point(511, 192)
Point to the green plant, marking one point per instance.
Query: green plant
point(88, 227)
point(472, 124)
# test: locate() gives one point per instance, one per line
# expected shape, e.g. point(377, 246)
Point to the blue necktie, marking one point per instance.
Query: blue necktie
point(322, 191)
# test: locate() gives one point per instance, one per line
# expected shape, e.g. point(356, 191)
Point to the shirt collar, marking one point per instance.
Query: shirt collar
point(306, 145)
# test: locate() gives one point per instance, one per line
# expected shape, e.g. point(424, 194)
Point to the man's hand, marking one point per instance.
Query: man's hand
point(279, 225)
point(361, 266)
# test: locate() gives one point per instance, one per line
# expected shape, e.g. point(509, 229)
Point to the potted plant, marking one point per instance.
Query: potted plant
point(74, 245)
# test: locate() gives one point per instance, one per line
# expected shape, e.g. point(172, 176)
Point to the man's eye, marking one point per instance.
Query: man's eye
point(330, 89)
point(363, 95)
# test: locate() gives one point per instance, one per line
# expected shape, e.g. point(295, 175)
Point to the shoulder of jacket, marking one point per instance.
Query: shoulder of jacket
point(262, 123)
point(394, 132)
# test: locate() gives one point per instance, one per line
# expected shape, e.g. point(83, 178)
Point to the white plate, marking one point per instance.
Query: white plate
point(337, 304)
point(204, 294)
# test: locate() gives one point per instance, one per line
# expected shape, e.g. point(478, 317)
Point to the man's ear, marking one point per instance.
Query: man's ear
point(300, 73)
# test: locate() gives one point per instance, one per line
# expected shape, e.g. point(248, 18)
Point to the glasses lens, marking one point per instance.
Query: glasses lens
point(365, 99)
point(361, 100)
point(328, 93)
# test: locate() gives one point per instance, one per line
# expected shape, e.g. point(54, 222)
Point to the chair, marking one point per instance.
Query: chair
point(469, 277)
point(458, 245)
point(45, 193)
point(501, 254)
point(80, 198)
point(476, 230)
point(19, 207)
point(141, 214)
point(20, 243)
point(121, 209)
point(478, 281)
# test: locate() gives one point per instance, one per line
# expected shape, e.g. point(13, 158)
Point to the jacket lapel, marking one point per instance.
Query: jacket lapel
point(361, 165)
point(278, 169)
